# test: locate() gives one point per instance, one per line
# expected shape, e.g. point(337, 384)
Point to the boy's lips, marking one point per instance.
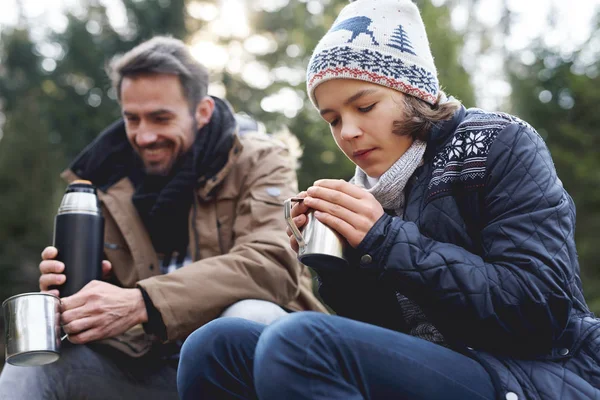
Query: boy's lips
point(362, 153)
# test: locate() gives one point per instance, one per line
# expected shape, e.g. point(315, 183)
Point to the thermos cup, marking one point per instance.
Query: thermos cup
point(32, 329)
point(320, 247)
point(79, 236)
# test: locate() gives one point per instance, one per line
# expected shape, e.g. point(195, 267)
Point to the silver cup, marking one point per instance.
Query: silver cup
point(320, 247)
point(32, 329)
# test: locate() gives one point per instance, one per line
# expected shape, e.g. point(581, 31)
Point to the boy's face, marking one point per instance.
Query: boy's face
point(361, 116)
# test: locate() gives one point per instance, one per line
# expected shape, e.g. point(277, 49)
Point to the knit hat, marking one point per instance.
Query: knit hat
point(378, 41)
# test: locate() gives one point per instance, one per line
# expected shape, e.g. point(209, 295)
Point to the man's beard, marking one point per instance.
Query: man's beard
point(173, 163)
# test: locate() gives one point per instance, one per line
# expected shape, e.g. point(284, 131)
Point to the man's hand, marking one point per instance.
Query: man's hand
point(52, 269)
point(348, 209)
point(101, 310)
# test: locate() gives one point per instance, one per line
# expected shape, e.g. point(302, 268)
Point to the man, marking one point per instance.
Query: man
point(194, 230)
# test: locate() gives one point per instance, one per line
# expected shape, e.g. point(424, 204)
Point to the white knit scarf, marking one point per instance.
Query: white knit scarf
point(389, 190)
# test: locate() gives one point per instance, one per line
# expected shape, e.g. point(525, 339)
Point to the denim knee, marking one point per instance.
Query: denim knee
point(206, 347)
point(261, 311)
point(282, 351)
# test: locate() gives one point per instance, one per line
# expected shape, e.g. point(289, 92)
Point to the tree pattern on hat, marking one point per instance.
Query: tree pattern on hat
point(401, 41)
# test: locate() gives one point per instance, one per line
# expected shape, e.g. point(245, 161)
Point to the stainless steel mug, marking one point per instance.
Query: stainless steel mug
point(320, 247)
point(32, 329)
point(79, 236)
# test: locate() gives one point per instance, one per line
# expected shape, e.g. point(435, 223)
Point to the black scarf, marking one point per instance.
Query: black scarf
point(163, 202)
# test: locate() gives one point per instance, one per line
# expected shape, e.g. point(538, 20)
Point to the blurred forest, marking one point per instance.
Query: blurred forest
point(55, 98)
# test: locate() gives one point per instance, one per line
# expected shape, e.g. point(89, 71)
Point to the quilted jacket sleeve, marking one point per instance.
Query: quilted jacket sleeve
point(515, 297)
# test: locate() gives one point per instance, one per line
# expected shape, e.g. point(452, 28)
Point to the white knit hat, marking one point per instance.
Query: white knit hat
point(378, 41)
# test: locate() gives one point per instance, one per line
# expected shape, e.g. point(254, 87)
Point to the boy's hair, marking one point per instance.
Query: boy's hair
point(420, 117)
point(162, 55)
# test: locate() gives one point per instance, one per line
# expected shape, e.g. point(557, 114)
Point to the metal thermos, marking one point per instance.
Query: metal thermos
point(79, 236)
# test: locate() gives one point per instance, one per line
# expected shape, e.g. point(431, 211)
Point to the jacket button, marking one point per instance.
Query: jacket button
point(366, 259)
point(511, 396)
point(563, 352)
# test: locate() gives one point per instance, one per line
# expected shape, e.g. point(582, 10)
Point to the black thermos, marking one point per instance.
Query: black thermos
point(79, 236)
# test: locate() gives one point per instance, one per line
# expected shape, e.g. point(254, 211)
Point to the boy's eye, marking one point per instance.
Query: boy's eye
point(334, 122)
point(366, 109)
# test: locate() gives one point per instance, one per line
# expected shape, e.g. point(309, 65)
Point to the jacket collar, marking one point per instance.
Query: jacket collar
point(440, 134)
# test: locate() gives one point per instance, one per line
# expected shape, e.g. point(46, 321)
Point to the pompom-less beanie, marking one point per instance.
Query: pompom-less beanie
point(378, 41)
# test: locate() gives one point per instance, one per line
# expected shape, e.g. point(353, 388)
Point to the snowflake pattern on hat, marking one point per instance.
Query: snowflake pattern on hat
point(365, 64)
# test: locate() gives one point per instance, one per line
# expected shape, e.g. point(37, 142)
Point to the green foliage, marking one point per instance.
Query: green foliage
point(446, 46)
point(26, 199)
point(557, 95)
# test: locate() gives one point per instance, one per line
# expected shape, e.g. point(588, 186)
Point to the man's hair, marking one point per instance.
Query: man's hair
point(162, 55)
point(420, 117)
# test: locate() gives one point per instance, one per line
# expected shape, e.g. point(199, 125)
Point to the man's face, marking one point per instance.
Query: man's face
point(158, 121)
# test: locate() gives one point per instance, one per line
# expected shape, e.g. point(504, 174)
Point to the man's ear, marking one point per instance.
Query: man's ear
point(204, 111)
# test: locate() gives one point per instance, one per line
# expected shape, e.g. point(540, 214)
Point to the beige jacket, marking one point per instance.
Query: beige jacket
point(237, 241)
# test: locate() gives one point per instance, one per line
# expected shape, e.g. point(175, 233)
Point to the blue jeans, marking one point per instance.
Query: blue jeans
point(308, 355)
point(94, 372)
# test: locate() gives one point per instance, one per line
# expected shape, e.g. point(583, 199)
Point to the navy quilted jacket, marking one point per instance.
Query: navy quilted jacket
point(486, 248)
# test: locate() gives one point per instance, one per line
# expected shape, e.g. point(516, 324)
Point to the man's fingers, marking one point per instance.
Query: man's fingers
point(69, 316)
point(48, 280)
point(79, 325)
point(78, 299)
point(106, 268)
point(49, 253)
point(51, 267)
point(85, 336)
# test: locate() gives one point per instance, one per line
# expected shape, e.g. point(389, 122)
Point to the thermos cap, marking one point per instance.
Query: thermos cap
point(80, 197)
